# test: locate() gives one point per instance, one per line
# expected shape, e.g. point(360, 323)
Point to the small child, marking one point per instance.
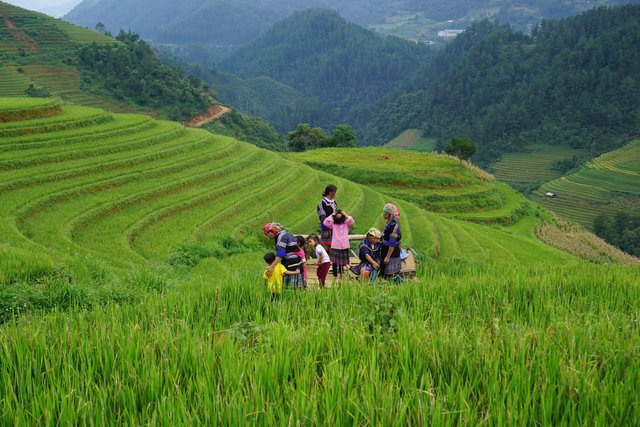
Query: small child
point(339, 222)
point(275, 279)
point(323, 258)
point(370, 256)
point(303, 255)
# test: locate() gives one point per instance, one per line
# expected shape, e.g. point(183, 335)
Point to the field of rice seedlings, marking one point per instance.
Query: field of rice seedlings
point(534, 165)
point(435, 182)
point(605, 184)
point(470, 343)
point(32, 52)
point(413, 139)
point(131, 293)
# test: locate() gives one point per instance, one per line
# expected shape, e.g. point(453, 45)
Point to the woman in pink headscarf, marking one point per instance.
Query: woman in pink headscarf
point(390, 243)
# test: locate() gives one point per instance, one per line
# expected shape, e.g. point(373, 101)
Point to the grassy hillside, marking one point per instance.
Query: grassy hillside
point(413, 139)
point(34, 50)
point(534, 165)
point(72, 182)
point(130, 271)
point(606, 184)
point(434, 182)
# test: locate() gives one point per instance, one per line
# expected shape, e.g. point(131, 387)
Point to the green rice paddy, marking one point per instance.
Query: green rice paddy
point(131, 293)
point(606, 184)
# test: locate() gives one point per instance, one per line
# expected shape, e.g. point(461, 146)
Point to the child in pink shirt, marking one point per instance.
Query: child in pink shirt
point(340, 222)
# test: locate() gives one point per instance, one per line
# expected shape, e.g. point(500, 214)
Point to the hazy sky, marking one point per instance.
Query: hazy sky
point(55, 8)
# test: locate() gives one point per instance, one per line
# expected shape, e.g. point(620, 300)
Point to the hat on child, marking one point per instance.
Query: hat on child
point(273, 227)
point(374, 232)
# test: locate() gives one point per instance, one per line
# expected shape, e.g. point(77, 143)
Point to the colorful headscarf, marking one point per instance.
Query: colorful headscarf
point(392, 209)
point(375, 232)
point(274, 227)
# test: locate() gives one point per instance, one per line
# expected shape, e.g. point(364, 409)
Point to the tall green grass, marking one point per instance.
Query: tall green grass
point(470, 343)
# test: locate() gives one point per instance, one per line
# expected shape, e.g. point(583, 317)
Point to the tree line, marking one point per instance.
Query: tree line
point(621, 230)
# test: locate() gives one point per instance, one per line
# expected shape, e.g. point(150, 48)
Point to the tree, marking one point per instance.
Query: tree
point(342, 136)
point(100, 27)
point(460, 147)
point(305, 138)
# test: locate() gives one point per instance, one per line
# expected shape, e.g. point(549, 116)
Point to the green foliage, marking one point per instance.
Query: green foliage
point(37, 92)
point(570, 83)
point(251, 129)
point(320, 55)
point(306, 138)
point(606, 184)
point(476, 342)
point(622, 230)
point(131, 70)
point(460, 147)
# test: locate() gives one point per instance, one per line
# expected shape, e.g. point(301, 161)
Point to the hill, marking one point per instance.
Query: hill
point(340, 65)
point(606, 184)
point(564, 85)
point(204, 30)
point(41, 56)
point(437, 183)
point(155, 185)
point(130, 267)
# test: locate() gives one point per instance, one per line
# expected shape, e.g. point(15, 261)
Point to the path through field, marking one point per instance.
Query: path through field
point(213, 113)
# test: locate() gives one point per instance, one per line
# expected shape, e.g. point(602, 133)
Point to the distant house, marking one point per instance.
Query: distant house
point(449, 34)
point(550, 195)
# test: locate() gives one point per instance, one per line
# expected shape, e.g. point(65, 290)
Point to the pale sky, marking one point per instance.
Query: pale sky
point(55, 8)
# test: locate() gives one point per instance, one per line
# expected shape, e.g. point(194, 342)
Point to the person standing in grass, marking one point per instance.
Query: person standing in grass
point(390, 244)
point(326, 208)
point(303, 255)
point(369, 254)
point(339, 223)
point(274, 280)
point(286, 248)
point(324, 262)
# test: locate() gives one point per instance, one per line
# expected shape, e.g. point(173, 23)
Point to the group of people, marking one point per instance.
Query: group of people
point(379, 252)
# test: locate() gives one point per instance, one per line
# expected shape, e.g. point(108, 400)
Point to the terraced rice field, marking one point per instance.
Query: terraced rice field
point(31, 48)
point(605, 184)
point(434, 182)
point(93, 206)
point(534, 165)
point(413, 139)
point(126, 189)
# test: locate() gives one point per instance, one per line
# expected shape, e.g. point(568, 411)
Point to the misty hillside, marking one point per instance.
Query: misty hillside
point(316, 67)
point(575, 81)
point(217, 27)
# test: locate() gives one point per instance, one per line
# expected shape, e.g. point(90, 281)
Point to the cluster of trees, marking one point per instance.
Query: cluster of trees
point(307, 138)
point(622, 230)
point(574, 81)
point(131, 70)
point(250, 129)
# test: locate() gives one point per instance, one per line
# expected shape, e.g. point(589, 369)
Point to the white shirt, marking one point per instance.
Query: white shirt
point(322, 253)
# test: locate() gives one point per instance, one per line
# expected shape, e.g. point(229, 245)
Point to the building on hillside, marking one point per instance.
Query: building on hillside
point(550, 195)
point(449, 34)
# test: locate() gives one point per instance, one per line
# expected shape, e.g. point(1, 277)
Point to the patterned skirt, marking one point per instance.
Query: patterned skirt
point(394, 266)
point(295, 281)
point(325, 238)
point(339, 256)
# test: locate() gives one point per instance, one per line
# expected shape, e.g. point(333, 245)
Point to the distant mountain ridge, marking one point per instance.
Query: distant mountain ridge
point(575, 82)
point(337, 70)
point(221, 26)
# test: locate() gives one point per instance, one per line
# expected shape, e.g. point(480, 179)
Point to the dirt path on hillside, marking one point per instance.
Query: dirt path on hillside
point(214, 112)
point(23, 39)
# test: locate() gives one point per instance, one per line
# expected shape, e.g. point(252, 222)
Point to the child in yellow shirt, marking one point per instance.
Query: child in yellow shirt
point(275, 279)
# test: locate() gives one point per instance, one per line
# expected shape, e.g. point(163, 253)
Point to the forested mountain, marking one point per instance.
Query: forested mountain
point(205, 29)
point(342, 69)
point(574, 81)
